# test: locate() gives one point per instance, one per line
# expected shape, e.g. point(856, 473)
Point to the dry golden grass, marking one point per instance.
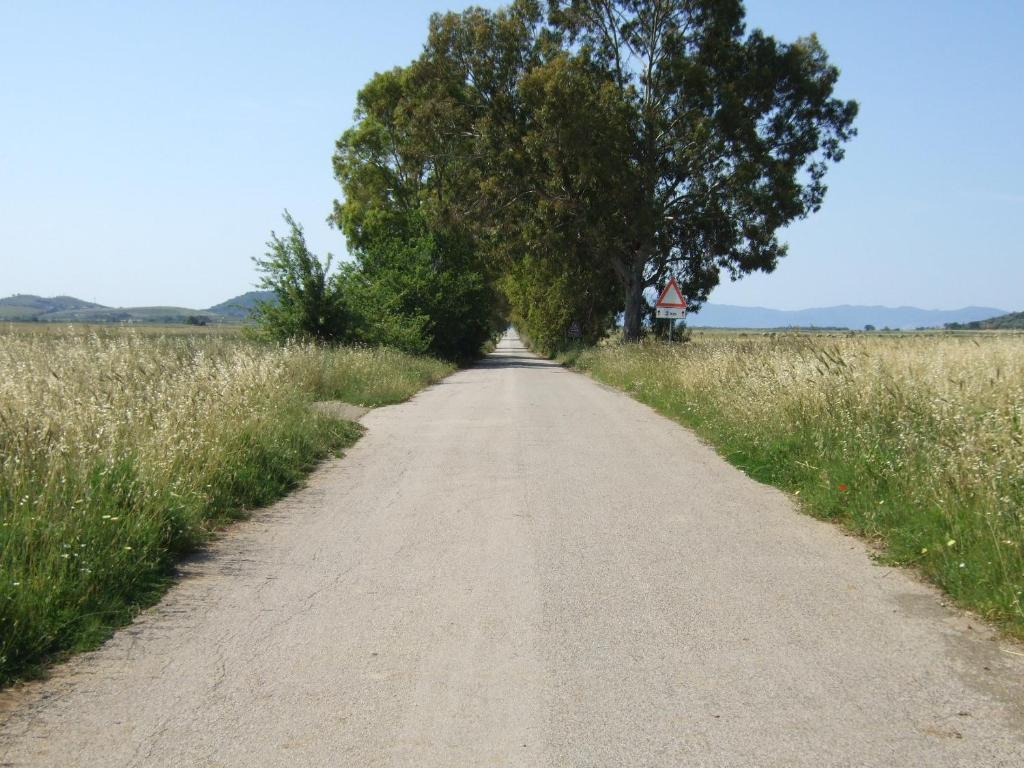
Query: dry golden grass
point(120, 449)
point(915, 440)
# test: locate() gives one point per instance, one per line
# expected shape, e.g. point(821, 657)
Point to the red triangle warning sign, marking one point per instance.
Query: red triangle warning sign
point(671, 296)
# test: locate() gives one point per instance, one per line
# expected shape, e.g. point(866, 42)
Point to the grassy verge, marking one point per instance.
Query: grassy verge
point(913, 441)
point(119, 452)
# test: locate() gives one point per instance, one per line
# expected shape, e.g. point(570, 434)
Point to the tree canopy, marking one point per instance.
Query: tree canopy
point(567, 158)
point(404, 182)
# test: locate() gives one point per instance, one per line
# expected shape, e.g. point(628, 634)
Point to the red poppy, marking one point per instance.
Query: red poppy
point(842, 486)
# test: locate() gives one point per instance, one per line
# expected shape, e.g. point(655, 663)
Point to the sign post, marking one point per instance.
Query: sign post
point(671, 305)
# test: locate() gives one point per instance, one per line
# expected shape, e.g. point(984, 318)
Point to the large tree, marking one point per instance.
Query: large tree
point(532, 209)
point(407, 173)
point(678, 142)
point(618, 142)
point(731, 134)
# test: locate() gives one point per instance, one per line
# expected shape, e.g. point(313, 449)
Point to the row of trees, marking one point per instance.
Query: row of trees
point(411, 290)
point(554, 163)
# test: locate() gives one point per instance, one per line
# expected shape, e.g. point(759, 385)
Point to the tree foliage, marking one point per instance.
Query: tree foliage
point(403, 180)
point(310, 302)
point(421, 292)
point(579, 154)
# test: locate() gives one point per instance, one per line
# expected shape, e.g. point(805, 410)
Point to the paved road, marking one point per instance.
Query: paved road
point(522, 568)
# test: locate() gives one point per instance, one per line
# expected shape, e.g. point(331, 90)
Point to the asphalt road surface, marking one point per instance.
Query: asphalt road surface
point(520, 567)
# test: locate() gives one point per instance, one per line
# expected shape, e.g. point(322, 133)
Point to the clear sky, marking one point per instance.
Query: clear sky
point(147, 149)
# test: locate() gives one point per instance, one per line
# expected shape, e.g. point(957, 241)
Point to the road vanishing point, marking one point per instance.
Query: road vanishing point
point(520, 567)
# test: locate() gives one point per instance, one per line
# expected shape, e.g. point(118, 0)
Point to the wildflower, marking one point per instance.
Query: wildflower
point(963, 565)
point(924, 550)
point(127, 547)
point(842, 486)
point(951, 542)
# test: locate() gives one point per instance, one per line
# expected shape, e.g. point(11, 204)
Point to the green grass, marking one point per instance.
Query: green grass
point(120, 452)
point(915, 442)
point(369, 376)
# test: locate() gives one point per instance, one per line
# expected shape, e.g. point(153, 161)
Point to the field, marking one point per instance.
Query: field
point(121, 450)
point(915, 441)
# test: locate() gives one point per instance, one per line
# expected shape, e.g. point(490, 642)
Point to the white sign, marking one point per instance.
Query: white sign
point(671, 297)
point(670, 312)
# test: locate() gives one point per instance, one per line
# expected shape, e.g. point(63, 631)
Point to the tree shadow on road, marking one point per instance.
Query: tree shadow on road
point(509, 359)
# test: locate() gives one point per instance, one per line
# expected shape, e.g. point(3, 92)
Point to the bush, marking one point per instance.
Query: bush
point(426, 292)
point(310, 302)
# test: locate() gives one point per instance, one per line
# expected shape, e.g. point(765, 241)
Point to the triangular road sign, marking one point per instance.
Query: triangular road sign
point(671, 296)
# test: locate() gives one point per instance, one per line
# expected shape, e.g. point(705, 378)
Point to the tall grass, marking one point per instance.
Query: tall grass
point(915, 441)
point(120, 451)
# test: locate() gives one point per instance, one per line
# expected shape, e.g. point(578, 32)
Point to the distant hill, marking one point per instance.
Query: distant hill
point(242, 306)
point(28, 307)
point(1011, 321)
point(126, 315)
point(845, 316)
point(67, 309)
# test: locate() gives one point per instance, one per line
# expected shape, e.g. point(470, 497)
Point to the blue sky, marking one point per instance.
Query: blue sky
point(147, 149)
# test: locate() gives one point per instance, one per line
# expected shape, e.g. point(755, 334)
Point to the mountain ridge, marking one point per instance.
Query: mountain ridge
point(1010, 321)
point(241, 306)
point(28, 307)
point(852, 316)
point(68, 309)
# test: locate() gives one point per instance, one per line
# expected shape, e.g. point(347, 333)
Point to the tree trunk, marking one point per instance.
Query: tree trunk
point(633, 320)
